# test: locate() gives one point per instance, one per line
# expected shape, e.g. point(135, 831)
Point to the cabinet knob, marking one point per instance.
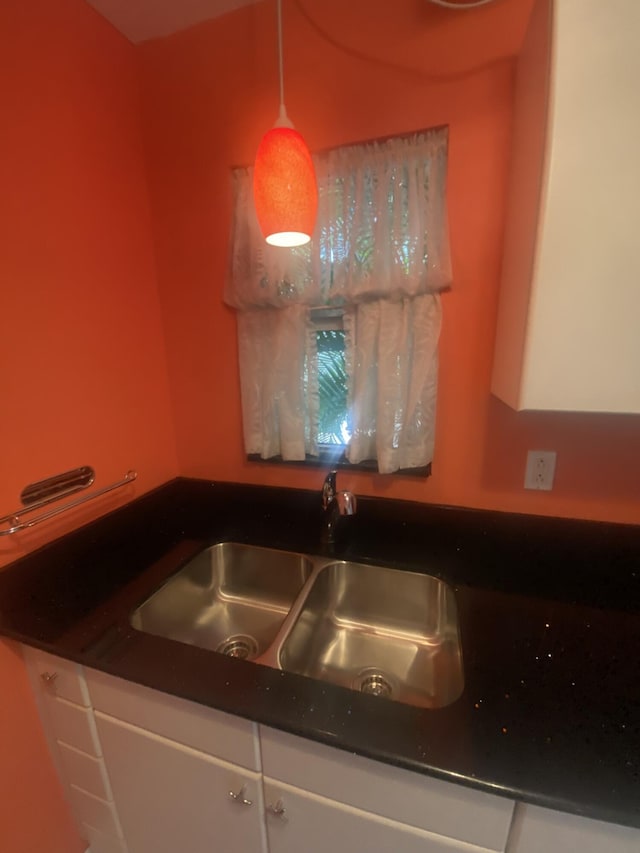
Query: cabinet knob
point(240, 798)
point(278, 810)
point(49, 678)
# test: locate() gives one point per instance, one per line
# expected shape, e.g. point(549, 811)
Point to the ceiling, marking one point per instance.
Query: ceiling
point(140, 20)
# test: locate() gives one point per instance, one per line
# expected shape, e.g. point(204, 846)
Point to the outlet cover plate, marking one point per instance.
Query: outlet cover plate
point(540, 470)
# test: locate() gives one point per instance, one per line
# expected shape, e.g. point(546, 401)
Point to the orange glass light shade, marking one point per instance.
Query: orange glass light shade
point(284, 188)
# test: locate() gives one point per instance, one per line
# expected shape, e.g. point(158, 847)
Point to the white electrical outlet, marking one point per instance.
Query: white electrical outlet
point(541, 466)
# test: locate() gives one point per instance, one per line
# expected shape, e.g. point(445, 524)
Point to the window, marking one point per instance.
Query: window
point(338, 339)
point(334, 419)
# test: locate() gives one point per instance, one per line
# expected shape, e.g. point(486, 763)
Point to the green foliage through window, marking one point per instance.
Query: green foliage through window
point(334, 427)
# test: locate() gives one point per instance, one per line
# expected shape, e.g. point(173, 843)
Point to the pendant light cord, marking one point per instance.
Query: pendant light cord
point(283, 119)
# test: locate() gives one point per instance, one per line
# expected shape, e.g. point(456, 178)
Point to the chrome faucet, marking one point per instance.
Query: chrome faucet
point(335, 504)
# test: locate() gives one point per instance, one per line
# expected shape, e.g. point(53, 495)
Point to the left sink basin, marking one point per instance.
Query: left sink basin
point(230, 598)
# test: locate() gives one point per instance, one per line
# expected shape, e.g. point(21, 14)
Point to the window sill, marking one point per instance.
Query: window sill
point(335, 458)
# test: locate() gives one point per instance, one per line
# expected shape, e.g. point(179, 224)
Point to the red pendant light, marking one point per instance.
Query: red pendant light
point(284, 181)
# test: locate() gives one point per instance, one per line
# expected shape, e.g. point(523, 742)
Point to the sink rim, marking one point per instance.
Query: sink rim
point(271, 655)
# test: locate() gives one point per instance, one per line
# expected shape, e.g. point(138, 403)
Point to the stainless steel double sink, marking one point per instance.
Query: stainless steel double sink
point(381, 631)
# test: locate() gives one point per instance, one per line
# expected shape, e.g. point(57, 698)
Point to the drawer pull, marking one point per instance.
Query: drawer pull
point(240, 798)
point(49, 679)
point(278, 810)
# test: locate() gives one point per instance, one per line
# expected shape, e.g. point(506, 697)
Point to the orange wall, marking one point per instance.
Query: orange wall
point(81, 345)
point(83, 360)
point(210, 93)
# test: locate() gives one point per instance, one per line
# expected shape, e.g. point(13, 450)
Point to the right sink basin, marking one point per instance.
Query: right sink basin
point(380, 631)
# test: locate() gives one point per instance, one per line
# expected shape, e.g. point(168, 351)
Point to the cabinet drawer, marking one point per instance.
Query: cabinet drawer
point(101, 843)
point(205, 729)
point(57, 677)
point(314, 824)
point(84, 771)
point(429, 804)
point(94, 811)
point(538, 830)
point(73, 725)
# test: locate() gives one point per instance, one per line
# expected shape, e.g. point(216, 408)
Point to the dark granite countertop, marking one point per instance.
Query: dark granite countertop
point(549, 620)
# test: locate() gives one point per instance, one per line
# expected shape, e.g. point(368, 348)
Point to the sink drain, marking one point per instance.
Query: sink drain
point(239, 646)
point(373, 682)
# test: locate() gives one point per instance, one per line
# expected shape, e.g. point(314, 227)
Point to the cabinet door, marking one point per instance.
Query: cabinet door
point(538, 830)
point(440, 809)
point(567, 333)
point(307, 823)
point(173, 798)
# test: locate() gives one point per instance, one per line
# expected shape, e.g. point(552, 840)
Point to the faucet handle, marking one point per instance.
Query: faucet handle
point(347, 503)
point(329, 488)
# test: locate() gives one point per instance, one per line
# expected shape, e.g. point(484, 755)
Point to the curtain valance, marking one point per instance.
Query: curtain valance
point(381, 230)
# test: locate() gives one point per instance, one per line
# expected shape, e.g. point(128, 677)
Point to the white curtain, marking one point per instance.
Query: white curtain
point(380, 251)
point(278, 382)
point(392, 352)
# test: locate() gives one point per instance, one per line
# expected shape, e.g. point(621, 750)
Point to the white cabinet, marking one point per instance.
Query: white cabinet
point(326, 791)
point(184, 777)
point(173, 798)
point(537, 830)
point(68, 720)
point(307, 823)
point(567, 335)
point(150, 773)
point(172, 765)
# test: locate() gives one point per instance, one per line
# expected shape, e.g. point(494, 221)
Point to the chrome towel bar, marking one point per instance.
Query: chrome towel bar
point(14, 520)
